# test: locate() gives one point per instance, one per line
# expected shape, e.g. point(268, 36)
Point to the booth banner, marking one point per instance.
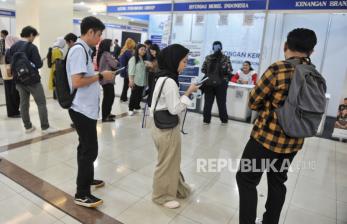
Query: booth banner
point(118, 26)
point(192, 71)
point(222, 5)
point(140, 8)
point(307, 4)
point(159, 29)
point(7, 13)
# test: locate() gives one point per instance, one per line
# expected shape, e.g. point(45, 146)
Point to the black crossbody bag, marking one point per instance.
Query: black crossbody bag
point(162, 118)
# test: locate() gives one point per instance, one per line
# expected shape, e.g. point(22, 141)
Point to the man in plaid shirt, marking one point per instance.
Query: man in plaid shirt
point(269, 144)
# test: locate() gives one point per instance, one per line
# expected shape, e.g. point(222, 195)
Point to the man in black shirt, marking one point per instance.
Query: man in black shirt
point(117, 49)
point(26, 45)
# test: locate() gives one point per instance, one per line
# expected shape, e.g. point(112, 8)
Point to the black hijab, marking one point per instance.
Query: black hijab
point(169, 60)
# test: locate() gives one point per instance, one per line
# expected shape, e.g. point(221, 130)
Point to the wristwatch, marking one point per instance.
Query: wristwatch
point(101, 77)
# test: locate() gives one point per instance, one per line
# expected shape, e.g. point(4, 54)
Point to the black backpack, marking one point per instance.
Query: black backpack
point(62, 86)
point(23, 70)
point(214, 73)
point(49, 57)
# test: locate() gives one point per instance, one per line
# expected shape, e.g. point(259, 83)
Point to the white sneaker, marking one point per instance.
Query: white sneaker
point(258, 221)
point(49, 130)
point(29, 130)
point(172, 204)
point(131, 113)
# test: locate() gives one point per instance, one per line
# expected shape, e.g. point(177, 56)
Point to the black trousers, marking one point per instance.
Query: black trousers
point(220, 93)
point(12, 98)
point(136, 97)
point(124, 96)
point(108, 100)
point(151, 82)
point(247, 182)
point(87, 151)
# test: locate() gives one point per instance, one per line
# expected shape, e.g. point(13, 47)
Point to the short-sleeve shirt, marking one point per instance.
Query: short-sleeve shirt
point(87, 98)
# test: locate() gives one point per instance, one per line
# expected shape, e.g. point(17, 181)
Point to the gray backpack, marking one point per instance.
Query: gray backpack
point(304, 107)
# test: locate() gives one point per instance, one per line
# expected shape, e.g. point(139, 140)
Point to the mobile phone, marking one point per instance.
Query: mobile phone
point(199, 83)
point(118, 70)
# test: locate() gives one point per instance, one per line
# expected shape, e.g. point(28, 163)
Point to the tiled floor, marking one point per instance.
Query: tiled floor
point(126, 162)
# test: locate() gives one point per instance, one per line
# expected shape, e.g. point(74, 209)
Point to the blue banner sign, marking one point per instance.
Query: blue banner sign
point(224, 5)
point(139, 29)
point(190, 71)
point(185, 79)
point(118, 26)
point(7, 13)
point(307, 4)
point(140, 8)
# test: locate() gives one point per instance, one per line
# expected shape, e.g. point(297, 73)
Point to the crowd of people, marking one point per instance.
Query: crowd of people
point(153, 72)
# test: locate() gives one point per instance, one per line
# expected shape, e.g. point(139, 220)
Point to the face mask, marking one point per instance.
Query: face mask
point(217, 47)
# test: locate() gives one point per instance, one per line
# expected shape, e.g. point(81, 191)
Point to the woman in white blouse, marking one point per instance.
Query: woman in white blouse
point(168, 183)
point(246, 75)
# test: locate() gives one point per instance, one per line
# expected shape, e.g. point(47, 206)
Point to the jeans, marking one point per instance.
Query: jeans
point(124, 96)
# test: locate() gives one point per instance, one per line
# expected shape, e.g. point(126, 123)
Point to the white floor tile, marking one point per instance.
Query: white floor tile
point(208, 211)
point(69, 220)
point(146, 212)
point(6, 192)
point(115, 200)
point(297, 215)
point(27, 212)
point(43, 205)
point(136, 184)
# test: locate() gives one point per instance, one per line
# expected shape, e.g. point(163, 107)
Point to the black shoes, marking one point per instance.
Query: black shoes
point(109, 119)
point(98, 183)
point(88, 201)
point(15, 116)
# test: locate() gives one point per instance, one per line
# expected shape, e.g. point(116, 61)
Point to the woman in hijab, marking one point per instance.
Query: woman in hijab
point(11, 93)
point(168, 183)
point(57, 53)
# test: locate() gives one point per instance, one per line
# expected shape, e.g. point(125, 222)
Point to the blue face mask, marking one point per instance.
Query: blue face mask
point(217, 47)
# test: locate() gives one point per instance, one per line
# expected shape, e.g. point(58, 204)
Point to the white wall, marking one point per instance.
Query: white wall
point(51, 21)
point(329, 55)
point(235, 35)
point(334, 65)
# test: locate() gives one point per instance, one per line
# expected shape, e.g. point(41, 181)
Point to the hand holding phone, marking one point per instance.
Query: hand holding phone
point(199, 83)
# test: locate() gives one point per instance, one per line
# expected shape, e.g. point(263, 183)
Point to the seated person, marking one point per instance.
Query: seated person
point(246, 75)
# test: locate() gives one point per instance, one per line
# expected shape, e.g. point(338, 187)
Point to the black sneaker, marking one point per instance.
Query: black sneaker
point(98, 183)
point(112, 116)
point(88, 201)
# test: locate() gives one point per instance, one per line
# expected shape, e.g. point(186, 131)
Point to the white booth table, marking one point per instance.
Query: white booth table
point(237, 102)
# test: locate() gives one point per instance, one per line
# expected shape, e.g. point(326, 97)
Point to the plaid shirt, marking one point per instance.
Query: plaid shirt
point(268, 94)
